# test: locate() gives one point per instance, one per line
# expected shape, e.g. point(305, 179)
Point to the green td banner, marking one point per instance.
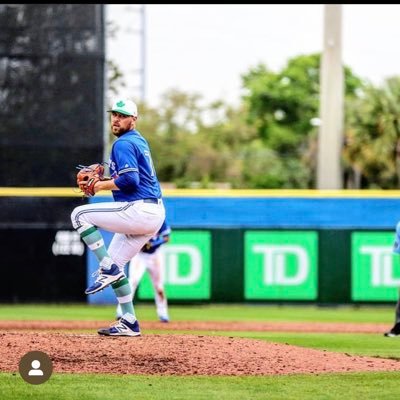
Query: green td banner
point(281, 265)
point(187, 267)
point(375, 270)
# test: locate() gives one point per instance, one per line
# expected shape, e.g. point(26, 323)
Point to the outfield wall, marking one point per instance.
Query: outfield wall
point(260, 246)
point(226, 246)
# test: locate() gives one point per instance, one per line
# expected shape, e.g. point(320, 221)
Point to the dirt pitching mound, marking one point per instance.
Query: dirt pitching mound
point(174, 354)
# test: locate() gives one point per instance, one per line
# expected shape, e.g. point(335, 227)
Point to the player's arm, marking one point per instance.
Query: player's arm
point(125, 181)
point(156, 242)
point(159, 240)
point(105, 185)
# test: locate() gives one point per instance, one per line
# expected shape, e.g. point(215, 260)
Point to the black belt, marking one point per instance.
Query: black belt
point(152, 200)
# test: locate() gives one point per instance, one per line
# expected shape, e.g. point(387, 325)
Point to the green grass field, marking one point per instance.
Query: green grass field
point(333, 386)
point(218, 312)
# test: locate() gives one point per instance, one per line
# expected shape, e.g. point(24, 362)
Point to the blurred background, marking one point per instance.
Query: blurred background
point(274, 130)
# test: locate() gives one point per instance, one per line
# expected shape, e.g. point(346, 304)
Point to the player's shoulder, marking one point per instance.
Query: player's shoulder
point(127, 141)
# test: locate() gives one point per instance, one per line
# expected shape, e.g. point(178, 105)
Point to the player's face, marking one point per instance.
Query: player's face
point(121, 123)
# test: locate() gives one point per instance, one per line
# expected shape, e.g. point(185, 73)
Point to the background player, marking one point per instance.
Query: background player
point(150, 259)
point(395, 331)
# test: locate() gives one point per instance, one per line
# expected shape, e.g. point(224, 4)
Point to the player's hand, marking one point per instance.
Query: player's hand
point(147, 246)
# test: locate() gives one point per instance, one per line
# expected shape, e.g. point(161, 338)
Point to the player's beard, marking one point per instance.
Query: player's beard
point(118, 130)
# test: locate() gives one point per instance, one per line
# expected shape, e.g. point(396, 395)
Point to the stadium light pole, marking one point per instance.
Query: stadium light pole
point(139, 31)
point(143, 66)
point(330, 136)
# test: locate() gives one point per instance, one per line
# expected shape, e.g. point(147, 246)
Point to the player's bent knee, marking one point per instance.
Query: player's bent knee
point(76, 217)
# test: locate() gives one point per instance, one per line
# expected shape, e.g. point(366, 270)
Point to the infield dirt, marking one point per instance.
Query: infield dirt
point(171, 353)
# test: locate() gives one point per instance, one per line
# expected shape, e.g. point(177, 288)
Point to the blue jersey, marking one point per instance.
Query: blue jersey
point(130, 153)
point(157, 240)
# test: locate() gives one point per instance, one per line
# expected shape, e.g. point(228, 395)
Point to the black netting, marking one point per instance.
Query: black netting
point(51, 91)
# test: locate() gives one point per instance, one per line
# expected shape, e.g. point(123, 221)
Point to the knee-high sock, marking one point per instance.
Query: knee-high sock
point(94, 240)
point(123, 292)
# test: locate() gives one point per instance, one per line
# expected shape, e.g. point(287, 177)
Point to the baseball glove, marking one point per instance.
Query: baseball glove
point(88, 176)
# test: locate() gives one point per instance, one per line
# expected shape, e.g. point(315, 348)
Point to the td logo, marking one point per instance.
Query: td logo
point(281, 265)
point(375, 270)
point(187, 267)
point(174, 274)
point(381, 264)
point(275, 258)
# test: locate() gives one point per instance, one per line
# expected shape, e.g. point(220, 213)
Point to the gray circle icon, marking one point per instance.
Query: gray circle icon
point(35, 367)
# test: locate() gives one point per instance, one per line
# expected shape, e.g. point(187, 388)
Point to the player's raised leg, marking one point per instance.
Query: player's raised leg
point(108, 271)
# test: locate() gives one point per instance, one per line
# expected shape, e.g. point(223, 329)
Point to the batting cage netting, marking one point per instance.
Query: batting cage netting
point(51, 92)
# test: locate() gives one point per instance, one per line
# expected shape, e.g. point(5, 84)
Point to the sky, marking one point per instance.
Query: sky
point(205, 48)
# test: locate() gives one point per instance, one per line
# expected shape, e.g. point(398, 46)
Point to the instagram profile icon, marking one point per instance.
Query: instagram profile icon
point(35, 367)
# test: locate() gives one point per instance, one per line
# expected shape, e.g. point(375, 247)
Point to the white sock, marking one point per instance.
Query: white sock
point(129, 317)
point(106, 263)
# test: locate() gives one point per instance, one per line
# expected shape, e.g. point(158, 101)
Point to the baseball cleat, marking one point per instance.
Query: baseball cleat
point(121, 328)
point(163, 318)
point(105, 277)
point(395, 331)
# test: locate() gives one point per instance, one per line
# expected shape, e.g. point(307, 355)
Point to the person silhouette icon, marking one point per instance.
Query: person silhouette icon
point(35, 371)
point(35, 367)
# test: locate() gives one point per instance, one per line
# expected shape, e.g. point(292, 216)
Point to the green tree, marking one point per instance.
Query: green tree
point(270, 139)
point(282, 107)
point(372, 150)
